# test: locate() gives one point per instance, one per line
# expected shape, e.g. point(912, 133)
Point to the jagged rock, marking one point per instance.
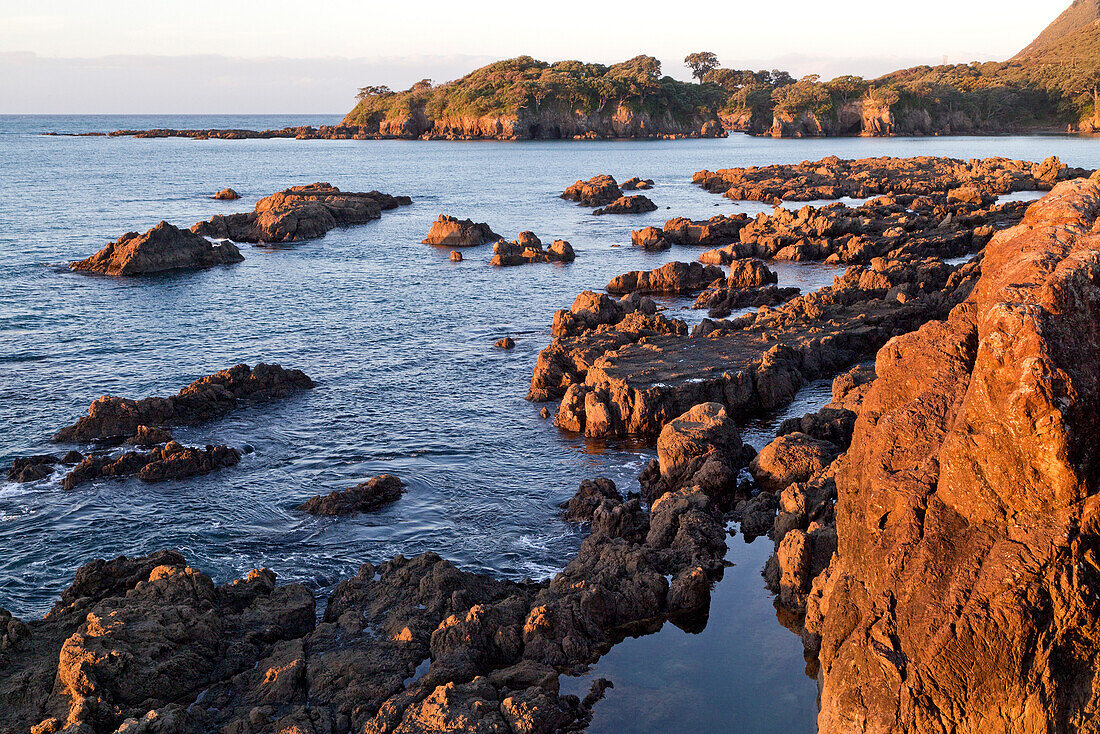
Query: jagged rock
point(634, 183)
point(972, 470)
point(718, 230)
point(300, 213)
point(456, 256)
point(149, 436)
point(833, 425)
point(171, 461)
point(650, 238)
point(368, 496)
point(596, 191)
point(453, 232)
point(527, 248)
point(750, 273)
point(700, 448)
point(591, 494)
point(669, 279)
point(35, 468)
point(162, 248)
point(591, 310)
point(202, 400)
point(628, 205)
point(790, 458)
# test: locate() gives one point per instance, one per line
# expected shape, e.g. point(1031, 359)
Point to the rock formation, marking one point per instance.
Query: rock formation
point(227, 195)
point(368, 496)
point(450, 231)
point(171, 461)
point(650, 238)
point(202, 400)
point(527, 248)
point(973, 469)
point(628, 205)
point(162, 248)
point(597, 191)
point(669, 279)
point(300, 213)
point(635, 184)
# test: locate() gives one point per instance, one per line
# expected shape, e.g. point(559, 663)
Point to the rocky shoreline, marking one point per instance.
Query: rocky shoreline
point(964, 456)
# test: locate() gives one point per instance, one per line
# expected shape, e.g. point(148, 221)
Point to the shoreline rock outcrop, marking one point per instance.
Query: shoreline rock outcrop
point(300, 213)
point(674, 278)
point(204, 399)
point(162, 248)
point(448, 231)
point(628, 205)
point(599, 190)
point(973, 468)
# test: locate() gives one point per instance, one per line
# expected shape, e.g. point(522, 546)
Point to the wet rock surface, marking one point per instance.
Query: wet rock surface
point(162, 248)
point(204, 399)
point(300, 213)
point(450, 231)
point(368, 496)
point(171, 461)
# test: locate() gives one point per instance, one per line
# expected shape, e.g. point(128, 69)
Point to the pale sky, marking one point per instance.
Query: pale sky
point(295, 56)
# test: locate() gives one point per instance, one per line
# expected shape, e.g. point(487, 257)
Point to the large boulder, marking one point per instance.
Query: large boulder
point(674, 278)
point(750, 273)
point(794, 457)
point(596, 191)
point(650, 238)
point(700, 448)
point(162, 248)
point(450, 231)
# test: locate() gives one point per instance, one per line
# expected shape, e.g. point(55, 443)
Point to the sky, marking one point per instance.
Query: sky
point(295, 57)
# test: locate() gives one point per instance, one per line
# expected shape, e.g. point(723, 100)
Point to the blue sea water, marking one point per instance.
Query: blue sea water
point(398, 339)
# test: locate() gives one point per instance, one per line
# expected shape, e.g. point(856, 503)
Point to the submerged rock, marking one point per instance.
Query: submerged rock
point(162, 248)
point(368, 496)
point(227, 195)
point(505, 343)
point(453, 232)
point(204, 399)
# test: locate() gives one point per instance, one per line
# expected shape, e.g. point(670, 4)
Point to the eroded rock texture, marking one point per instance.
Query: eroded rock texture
point(300, 213)
point(162, 248)
point(204, 399)
point(965, 594)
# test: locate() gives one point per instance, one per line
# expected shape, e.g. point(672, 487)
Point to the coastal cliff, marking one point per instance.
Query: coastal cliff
point(963, 594)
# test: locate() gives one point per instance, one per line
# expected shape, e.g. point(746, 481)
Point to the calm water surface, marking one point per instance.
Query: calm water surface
point(398, 339)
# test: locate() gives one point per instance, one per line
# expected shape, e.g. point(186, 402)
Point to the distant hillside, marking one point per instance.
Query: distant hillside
point(524, 98)
point(1080, 14)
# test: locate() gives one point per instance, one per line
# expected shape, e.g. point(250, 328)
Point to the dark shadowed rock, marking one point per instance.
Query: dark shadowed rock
point(505, 343)
point(367, 496)
point(670, 279)
point(204, 399)
point(591, 494)
point(162, 248)
point(171, 461)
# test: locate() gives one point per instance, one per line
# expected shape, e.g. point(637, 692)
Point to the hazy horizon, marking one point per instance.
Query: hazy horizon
point(131, 58)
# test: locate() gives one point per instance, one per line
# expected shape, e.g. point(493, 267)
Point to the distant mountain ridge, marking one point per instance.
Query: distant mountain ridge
point(1079, 15)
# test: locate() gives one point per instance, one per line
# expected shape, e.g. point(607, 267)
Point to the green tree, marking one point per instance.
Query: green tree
point(700, 63)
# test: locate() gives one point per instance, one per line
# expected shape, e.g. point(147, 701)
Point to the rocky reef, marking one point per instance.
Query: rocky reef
point(450, 231)
point(204, 399)
point(162, 248)
point(527, 248)
point(373, 494)
point(300, 213)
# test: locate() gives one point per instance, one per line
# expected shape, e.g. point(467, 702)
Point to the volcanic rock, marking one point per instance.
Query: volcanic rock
point(452, 232)
point(368, 496)
point(162, 248)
